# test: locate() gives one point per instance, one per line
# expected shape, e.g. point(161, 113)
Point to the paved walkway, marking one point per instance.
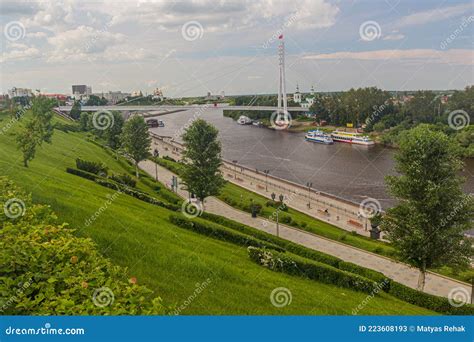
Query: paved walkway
point(435, 284)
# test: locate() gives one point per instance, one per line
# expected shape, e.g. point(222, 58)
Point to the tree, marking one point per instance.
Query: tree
point(202, 160)
point(27, 141)
point(84, 121)
point(433, 212)
point(114, 131)
point(95, 100)
point(135, 140)
point(75, 110)
point(38, 129)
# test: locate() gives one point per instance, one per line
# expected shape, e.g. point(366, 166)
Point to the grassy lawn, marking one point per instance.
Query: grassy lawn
point(170, 260)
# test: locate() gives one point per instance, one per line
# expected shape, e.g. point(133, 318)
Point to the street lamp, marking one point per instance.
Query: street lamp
point(309, 185)
point(281, 197)
point(273, 195)
point(156, 154)
point(278, 227)
point(235, 168)
point(266, 172)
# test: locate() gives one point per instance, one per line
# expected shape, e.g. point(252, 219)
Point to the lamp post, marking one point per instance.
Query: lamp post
point(278, 227)
point(273, 196)
point(266, 178)
point(309, 185)
point(156, 154)
point(235, 168)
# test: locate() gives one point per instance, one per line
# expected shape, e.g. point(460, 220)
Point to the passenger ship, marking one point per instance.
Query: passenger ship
point(319, 137)
point(352, 138)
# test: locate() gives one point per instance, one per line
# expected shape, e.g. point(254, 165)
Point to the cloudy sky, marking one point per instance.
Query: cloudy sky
point(191, 47)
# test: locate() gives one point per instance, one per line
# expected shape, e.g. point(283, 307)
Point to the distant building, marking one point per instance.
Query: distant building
point(297, 95)
point(20, 92)
point(136, 93)
point(157, 94)
point(113, 97)
point(308, 101)
point(81, 92)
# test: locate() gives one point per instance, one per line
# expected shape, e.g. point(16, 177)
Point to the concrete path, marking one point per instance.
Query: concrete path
point(402, 273)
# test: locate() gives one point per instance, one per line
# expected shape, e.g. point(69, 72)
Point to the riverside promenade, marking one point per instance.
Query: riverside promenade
point(435, 284)
point(325, 207)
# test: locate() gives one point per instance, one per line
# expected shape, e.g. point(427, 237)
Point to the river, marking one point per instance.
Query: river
point(349, 171)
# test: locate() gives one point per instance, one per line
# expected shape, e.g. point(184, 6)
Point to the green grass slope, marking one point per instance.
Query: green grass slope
point(173, 261)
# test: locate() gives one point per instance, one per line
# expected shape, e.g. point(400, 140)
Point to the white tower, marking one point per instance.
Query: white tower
point(282, 100)
point(297, 95)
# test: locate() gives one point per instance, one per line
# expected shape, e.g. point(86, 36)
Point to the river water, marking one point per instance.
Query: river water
point(348, 171)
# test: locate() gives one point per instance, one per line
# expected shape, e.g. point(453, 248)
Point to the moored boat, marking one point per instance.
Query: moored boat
point(244, 120)
point(318, 136)
point(351, 138)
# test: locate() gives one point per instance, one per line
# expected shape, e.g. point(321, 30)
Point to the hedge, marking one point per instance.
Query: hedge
point(314, 270)
point(90, 166)
point(425, 300)
point(219, 232)
point(122, 188)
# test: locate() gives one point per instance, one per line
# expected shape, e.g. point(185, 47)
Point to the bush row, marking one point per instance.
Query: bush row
point(124, 179)
point(314, 270)
point(296, 248)
point(122, 188)
point(92, 167)
point(219, 232)
point(425, 300)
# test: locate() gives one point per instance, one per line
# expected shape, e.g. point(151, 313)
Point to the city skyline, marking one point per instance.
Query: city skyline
point(202, 47)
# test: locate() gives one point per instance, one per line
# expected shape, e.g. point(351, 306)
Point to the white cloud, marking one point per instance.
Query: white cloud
point(433, 15)
point(394, 35)
point(454, 56)
point(20, 52)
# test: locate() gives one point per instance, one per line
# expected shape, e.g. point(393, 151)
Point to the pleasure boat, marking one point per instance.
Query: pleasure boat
point(352, 138)
point(318, 136)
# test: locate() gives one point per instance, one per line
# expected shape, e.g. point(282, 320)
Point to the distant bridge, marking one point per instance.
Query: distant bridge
point(171, 107)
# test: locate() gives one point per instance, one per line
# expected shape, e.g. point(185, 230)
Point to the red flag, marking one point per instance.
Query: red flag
point(280, 37)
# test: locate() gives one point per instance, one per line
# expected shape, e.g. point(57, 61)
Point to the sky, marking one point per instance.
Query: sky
point(189, 48)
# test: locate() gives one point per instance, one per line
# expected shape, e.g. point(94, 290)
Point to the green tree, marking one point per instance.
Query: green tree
point(36, 130)
point(95, 100)
point(75, 110)
point(114, 131)
point(202, 160)
point(433, 212)
point(27, 141)
point(84, 121)
point(136, 140)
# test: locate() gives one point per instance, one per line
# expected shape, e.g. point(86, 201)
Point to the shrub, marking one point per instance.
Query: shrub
point(286, 219)
point(92, 167)
point(80, 173)
point(169, 158)
point(124, 179)
point(304, 224)
point(435, 303)
point(219, 232)
point(42, 277)
point(314, 270)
